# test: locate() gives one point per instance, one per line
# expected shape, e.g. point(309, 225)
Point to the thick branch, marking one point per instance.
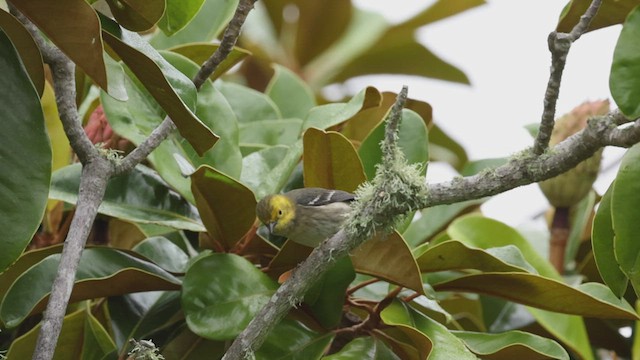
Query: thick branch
point(93, 183)
point(559, 45)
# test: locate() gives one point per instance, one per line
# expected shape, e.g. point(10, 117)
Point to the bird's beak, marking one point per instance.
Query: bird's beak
point(271, 226)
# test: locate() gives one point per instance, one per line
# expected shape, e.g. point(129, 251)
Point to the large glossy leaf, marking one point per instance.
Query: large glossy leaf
point(215, 112)
point(26, 47)
point(266, 171)
point(389, 259)
point(331, 162)
point(455, 255)
point(82, 337)
point(611, 12)
point(590, 299)
point(445, 345)
point(602, 240)
point(25, 156)
point(74, 27)
point(365, 348)
point(200, 52)
point(164, 253)
point(137, 15)
point(248, 104)
point(412, 139)
point(261, 134)
point(221, 293)
point(138, 196)
point(175, 92)
point(486, 233)
point(326, 116)
point(624, 80)
point(178, 14)
point(291, 339)
point(227, 207)
point(512, 345)
point(189, 346)
point(205, 26)
point(292, 95)
point(382, 57)
point(139, 315)
point(407, 341)
point(625, 197)
point(101, 272)
point(444, 148)
point(434, 219)
point(441, 9)
point(326, 296)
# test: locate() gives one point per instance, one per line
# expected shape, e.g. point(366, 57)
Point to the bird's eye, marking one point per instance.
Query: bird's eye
point(279, 212)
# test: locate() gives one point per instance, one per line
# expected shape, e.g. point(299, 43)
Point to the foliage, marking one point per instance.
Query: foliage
point(176, 255)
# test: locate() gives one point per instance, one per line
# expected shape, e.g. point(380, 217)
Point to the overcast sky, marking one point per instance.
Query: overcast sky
point(502, 47)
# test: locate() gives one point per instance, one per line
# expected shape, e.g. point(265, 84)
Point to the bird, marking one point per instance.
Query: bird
point(306, 216)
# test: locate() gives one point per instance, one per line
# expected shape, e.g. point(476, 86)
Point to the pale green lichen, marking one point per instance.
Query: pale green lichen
point(144, 350)
point(113, 155)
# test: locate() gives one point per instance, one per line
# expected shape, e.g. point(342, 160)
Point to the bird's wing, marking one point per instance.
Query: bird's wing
point(319, 196)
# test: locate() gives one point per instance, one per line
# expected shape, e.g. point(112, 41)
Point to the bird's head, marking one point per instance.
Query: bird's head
point(277, 212)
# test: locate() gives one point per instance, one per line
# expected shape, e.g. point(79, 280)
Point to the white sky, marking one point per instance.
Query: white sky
point(502, 47)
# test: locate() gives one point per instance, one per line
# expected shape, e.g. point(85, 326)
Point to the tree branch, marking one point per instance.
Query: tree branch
point(559, 45)
point(229, 39)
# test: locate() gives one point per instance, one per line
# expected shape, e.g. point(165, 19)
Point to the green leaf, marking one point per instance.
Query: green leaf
point(200, 52)
point(207, 24)
point(102, 272)
point(331, 161)
point(390, 259)
point(590, 299)
point(624, 200)
point(216, 113)
point(581, 218)
point(137, 15)
point(164, 253)
point(291, 339)
point(139, 315)
point(214, 193)
point(267, 171)
point(364, 348)
point(444, 148)
point(173, 91)
point(221, 293)
point(25, 156)
point(441, 9)
point(602, 240)
point(138, 196)
point(445, 345)
point(293, 96)
point(486, 233)
point(455, 255)
point(412, 139)
point(189, 346)
point(512, 345)
point(264, 133)
point(82, 337)
point(73, 26)
point(624, 80)
point(611, 12)
point(326, 116)
point(248, 104)
point(26, 47)
point(326, 296)
point(178, 14)
point(435, 219)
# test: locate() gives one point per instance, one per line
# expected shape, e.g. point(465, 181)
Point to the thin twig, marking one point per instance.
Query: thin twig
point(559, 45)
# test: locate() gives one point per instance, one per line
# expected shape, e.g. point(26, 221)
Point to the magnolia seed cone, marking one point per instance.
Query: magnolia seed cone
point(568, 189)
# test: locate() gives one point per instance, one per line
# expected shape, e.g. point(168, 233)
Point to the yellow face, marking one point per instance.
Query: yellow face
point(277, 213)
